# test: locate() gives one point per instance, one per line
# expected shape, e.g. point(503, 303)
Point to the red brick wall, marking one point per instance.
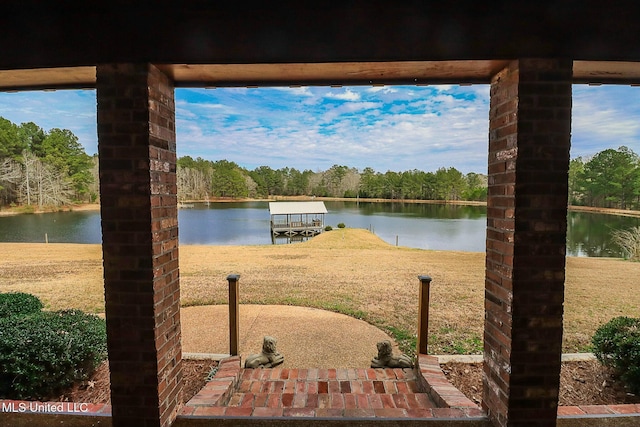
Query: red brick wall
point(137, 149)
point(529, 140)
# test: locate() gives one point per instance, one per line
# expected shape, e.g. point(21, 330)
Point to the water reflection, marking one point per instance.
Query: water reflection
point(56, 227)
point(426, 226)
point(285, 240)
point(590, 234)
point(421, 210)
point(225, 224)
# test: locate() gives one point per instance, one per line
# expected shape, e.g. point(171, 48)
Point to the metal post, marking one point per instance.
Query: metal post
point(423, 314)
point(234, 313)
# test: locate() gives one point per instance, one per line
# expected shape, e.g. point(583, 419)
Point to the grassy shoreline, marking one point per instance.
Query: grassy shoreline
point(20, 210)
point(350, 271)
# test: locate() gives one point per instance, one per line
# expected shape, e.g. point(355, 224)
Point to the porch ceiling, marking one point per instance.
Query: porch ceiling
point(322, 74)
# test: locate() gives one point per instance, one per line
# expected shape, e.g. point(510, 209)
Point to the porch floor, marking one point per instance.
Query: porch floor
point(320, 393)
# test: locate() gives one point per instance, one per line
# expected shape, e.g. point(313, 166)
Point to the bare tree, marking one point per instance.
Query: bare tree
point(94, 186)
point(28, 161)
point(44, 183)
point(629, 242)
point(193, 184)
point(10, 177)
point(252, 187)
point(350, 183)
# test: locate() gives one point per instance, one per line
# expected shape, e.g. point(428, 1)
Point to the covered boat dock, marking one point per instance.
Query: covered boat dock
point(297, 218)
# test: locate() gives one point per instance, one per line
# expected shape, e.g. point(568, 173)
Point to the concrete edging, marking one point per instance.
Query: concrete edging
point(205, 356)
point(478, 358)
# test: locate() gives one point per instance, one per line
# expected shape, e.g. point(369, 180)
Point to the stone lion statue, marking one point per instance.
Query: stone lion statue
point(268, 358)
point(386, 359)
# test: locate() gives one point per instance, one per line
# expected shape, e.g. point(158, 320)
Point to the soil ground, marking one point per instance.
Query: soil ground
point(96, 388)
point(581, 383)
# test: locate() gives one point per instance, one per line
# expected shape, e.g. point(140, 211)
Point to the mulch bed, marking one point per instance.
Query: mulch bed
point(581, 383)
point(96, 389)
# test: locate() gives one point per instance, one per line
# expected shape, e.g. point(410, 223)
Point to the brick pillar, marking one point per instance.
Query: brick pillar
point(137, 149)
point(529, 140)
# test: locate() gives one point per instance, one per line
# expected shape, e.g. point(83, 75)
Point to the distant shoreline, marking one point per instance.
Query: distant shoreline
point(96, 207)
point(19, 210)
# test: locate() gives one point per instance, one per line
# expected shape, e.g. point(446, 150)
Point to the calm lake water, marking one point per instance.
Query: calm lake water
point(425, 226)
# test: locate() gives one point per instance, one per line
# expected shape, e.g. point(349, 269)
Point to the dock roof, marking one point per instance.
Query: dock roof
point(285, 208)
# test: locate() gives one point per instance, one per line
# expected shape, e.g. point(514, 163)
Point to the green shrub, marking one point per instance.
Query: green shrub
point(43, 353)
point(18, 304)
point(328, 228)
point(617, 344)
point(341, 225)
point(26, 209)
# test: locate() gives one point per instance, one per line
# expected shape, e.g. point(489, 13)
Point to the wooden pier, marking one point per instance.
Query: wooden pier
point(297, 218)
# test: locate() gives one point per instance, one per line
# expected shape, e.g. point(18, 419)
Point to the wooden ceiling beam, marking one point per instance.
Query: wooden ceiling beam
point(317, 74)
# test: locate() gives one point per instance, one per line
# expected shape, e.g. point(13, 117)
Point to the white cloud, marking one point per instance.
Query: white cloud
point(387, 128)
point(346, 95)
point(65, 109)
point(382, 89)
point(304, 91)
point(605, 117)
point(398, 129)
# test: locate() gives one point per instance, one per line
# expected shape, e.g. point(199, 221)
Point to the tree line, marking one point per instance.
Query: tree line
point(39, 168)
point(200, 179)
point(609, 179)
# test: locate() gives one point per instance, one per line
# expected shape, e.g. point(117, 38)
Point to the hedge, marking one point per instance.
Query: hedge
point(18, 304)
point(46, 352)
point(617, 344)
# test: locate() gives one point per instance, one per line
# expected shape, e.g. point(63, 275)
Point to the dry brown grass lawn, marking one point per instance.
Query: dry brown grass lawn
point(347, 270)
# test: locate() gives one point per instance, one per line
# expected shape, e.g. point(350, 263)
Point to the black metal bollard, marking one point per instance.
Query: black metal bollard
point(234, 313)
point(423, 314)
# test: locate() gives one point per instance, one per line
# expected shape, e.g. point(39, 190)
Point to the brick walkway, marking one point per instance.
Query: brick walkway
point(349, 393)
point(330, 392)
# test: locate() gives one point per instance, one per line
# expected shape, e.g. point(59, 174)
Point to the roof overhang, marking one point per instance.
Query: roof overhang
point(317, 74)
point(297, 208)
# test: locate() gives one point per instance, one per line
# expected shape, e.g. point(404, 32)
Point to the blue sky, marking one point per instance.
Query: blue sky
point(394, 128)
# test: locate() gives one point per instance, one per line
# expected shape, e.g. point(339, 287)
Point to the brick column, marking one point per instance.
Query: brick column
point(137, 149)
point(529, 140)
